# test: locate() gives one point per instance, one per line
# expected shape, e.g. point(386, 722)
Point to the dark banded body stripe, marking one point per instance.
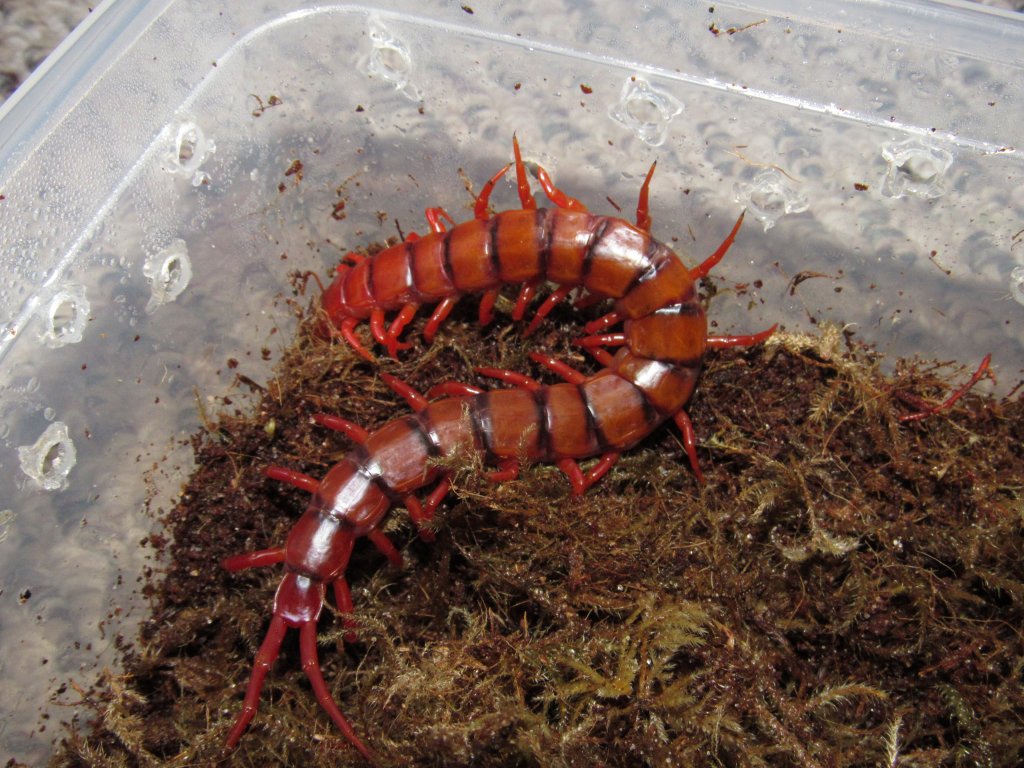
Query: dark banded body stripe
point(608, 256)
point(605, 413)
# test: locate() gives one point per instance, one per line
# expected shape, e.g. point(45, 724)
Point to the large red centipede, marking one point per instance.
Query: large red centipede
point(646, 382)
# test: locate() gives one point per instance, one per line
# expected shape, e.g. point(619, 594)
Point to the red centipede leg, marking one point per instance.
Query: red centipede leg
point(526, 294)
point(397, 326)
point(437, 496)
point(603, 340)
point(603, 356)
point(949, 401)
point(581, 481)
point(377, 326)
point(419, 517)
point(556, 297)
point(290, 476)
point(265, 658)
point(434, 216)
point(643, 215)
point(587, 299)
point(522, 183)
point(559, 367)
point(594, 344)
point(487, 306)
point(386, 547)
point(453, 389)
point(311, 666)
point(253, 559)
point(555, 195)
point(483, 200)
point(602, 322)
point(348, 331)
point(343, 599)
point(724, 342)
point(352, 431)
point(510, 377)
point(682, 420)
point(441, 312)
point(415, 400)
point(709, 263)
point(507, 470)
point(422, 514)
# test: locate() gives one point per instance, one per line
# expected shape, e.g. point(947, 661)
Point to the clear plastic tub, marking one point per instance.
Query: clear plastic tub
point(153, 207)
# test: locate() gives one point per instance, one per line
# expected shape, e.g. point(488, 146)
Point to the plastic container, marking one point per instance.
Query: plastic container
point(168, 167)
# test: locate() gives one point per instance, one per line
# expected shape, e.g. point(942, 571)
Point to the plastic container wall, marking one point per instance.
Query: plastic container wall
point(173, 162)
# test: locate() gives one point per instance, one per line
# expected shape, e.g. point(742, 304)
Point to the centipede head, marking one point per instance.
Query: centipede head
point(297, 605)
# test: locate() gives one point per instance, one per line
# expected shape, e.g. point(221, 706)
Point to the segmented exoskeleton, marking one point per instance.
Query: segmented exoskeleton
point(647, 381)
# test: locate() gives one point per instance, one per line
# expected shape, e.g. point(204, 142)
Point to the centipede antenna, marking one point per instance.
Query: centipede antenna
point(311, 665)
point(265, 658)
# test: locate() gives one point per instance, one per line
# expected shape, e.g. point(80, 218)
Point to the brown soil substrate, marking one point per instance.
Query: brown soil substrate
point(844, 589)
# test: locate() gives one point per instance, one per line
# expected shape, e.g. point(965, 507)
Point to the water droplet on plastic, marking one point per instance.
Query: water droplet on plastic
point(915, 168)
point(169, 273)
point(769, 196)
point(390, 59)
point(1017, 284)
point(645, 110)
point(50, 459)
point(65, 316)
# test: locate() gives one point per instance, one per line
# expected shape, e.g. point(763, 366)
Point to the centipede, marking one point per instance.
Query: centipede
point(647, 381)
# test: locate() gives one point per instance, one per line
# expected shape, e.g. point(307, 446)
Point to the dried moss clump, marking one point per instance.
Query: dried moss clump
point(843, 590)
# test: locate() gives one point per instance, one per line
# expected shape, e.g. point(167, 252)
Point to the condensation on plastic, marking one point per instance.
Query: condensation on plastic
point(173, 161)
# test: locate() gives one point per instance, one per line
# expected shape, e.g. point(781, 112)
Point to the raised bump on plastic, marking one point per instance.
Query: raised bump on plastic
point(915, 168)
point(50, 459)
point(169, 273)
point(65, 316)
point(645, 110)
point(769, 196)
point(190, 149)
point(390, 59)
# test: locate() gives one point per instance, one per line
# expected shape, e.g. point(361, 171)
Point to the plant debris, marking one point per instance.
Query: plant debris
point(842, 590)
